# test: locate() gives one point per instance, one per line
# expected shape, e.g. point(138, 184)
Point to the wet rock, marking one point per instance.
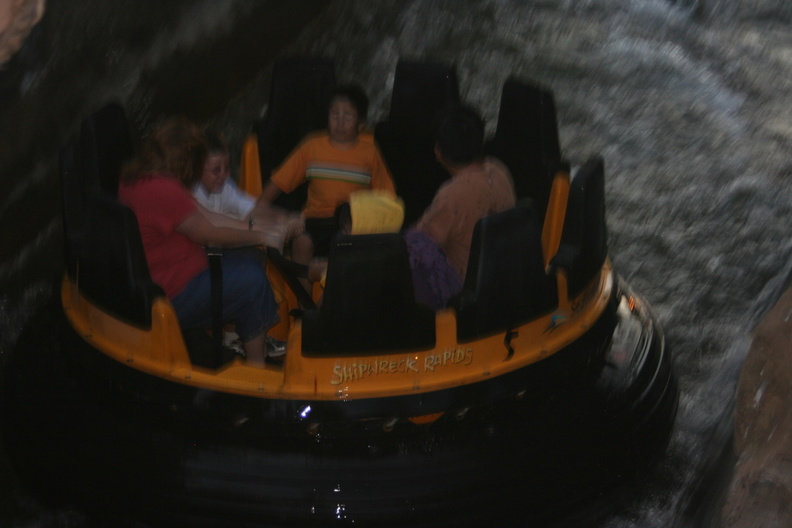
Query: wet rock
point(17, 18)
point(760, 494)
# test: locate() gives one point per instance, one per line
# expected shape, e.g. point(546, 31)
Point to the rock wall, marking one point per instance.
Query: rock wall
point(17, 18)
point(760, 494)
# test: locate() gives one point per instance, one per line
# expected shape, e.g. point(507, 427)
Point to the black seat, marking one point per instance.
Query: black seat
point(298, 104)
point(406, 139)
point(584, 240)
point(420, 89)
point(114, 276)
point(105, 145)
point(113, 272)
point(506, 284)
point(526, 140)
point(104, 252)
point(87, 166)
point(369, 303)
point(72, 207)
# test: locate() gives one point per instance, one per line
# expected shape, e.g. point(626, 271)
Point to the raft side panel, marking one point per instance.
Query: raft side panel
point(160, 351)
point(455, 377)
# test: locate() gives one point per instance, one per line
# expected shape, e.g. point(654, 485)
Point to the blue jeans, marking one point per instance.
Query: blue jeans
point(247, 299)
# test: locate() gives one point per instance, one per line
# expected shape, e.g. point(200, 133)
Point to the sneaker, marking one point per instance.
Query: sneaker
point(275, 348)
point(232, 342)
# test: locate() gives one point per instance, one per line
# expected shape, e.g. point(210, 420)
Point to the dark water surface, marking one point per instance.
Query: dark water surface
point(690, 103)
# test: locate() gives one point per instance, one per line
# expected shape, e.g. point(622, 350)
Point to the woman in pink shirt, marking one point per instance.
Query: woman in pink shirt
point(175, 229)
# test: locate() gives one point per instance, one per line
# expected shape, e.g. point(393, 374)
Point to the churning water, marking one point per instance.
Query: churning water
point(689, 103)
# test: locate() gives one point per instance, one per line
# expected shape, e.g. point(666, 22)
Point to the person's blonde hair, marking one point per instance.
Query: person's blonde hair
point(176, 146)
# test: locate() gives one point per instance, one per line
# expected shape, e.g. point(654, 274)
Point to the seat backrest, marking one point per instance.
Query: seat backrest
point(105, 145)
point(369, 303)
point(584, 240)
point(298, 104)
point(526, 140)
point(406, 139)
point(112, 267)
point(506, 284)
point(420, 90)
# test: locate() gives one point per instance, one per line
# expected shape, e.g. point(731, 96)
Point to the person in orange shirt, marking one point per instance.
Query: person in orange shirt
point(336, 163)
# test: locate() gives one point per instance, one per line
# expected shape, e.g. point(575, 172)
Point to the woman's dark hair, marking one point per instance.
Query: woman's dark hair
point(460, 134)
point(176, 146)
point(356, 96)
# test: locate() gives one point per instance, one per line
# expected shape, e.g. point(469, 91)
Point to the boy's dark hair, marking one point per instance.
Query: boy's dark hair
point(460, 134)
point(356, 96)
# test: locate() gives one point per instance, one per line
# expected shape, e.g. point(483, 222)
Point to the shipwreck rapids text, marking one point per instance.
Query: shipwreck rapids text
point(357, 370)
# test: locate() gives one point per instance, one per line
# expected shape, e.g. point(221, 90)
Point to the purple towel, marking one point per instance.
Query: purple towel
point(434, 280)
